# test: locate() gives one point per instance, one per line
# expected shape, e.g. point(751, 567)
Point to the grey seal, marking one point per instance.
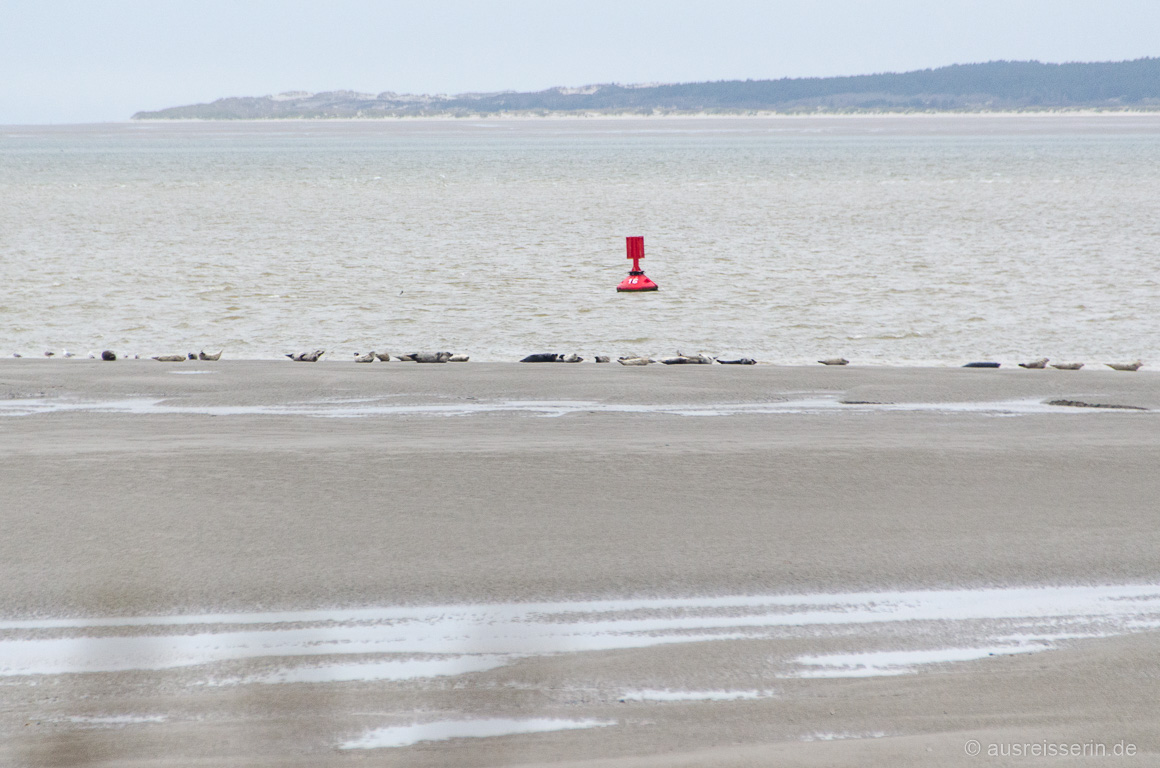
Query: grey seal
point(1125, 366)
point(307, 357)
point(430, 357)
point(542, 357)
point(369, 357)
point(108, 354)
point(1035, 364)
point(203, 355)
point(165, 358)
point(683, 359)
point(835, 361)
point(1067, 366)
point(981, 365)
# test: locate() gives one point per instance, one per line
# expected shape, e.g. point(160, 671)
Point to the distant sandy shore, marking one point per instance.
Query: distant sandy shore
point(140, 488)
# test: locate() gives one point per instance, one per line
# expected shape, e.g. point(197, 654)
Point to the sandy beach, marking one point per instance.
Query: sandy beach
point(208, 495)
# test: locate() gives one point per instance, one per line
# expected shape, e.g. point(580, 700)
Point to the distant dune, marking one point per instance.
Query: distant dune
point(993, 86)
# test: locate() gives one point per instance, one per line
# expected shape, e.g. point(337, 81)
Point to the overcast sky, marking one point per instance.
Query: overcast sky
point(76, 61)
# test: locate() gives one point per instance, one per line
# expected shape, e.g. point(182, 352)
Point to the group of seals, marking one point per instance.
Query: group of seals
point(553, 357)
point(202, 355)
point(680, 359)
point(1041, 363)
point(434, 357)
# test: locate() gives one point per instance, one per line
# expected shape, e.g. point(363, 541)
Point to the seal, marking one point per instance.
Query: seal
point(634, 361)
point(981, 365)
point(541, 357)
point(164, 358)
point(307, 357)
point(603, 359)
point(430, 357)
point(739, 361)
point(572, 358)
point(1067, 366)
point(683, 359)
point(202, 355)
point(1125, 366)
point(369, 357)
point(1035, 364)
point(835, 361)
point(459, 359)
point(383, 356)
point(108, 354)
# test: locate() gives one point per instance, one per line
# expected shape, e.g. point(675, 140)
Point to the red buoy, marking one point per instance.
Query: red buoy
point(637, 280)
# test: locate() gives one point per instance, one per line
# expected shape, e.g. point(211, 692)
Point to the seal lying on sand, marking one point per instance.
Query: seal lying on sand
point(542, 357)
point(108, 354)
point(1040, 363)
point(216, 356)
point(1125, 366)
point(430, 357)
point(634, 361)
point(165, 358)
point(739, 361)
point(981, 365)
point(603, 359)
point(369, 357)
point(683, 359)
point(835, 361)
point(383, 356)
point(459, 359)
point(1067, 366)
point(572, 358)
point(307, 357)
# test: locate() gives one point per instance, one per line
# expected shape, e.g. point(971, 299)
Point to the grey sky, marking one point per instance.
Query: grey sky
point(102, 60)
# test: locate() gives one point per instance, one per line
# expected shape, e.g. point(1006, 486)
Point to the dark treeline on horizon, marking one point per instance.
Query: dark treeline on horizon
point(996, 85)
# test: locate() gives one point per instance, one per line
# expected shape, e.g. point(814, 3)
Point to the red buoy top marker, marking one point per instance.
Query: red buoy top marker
point(637, 280)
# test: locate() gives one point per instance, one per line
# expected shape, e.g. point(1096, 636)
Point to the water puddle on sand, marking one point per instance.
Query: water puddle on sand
point(428, 648)
point(667, 695)
point(364, 408)
point(442, 730)
point(884, 663)
point(397, 643)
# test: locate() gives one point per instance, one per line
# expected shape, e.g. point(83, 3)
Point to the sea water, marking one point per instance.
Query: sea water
point(888, 240)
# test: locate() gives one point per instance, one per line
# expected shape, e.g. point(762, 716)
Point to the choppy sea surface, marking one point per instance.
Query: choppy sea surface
point(887, 240)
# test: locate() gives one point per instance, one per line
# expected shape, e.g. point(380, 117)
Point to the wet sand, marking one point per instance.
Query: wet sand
point(140, 488)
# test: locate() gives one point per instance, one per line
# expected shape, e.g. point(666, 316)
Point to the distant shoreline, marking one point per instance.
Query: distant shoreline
point(563, 115)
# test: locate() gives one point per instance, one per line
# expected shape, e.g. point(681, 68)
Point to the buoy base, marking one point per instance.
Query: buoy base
point(636, 282)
